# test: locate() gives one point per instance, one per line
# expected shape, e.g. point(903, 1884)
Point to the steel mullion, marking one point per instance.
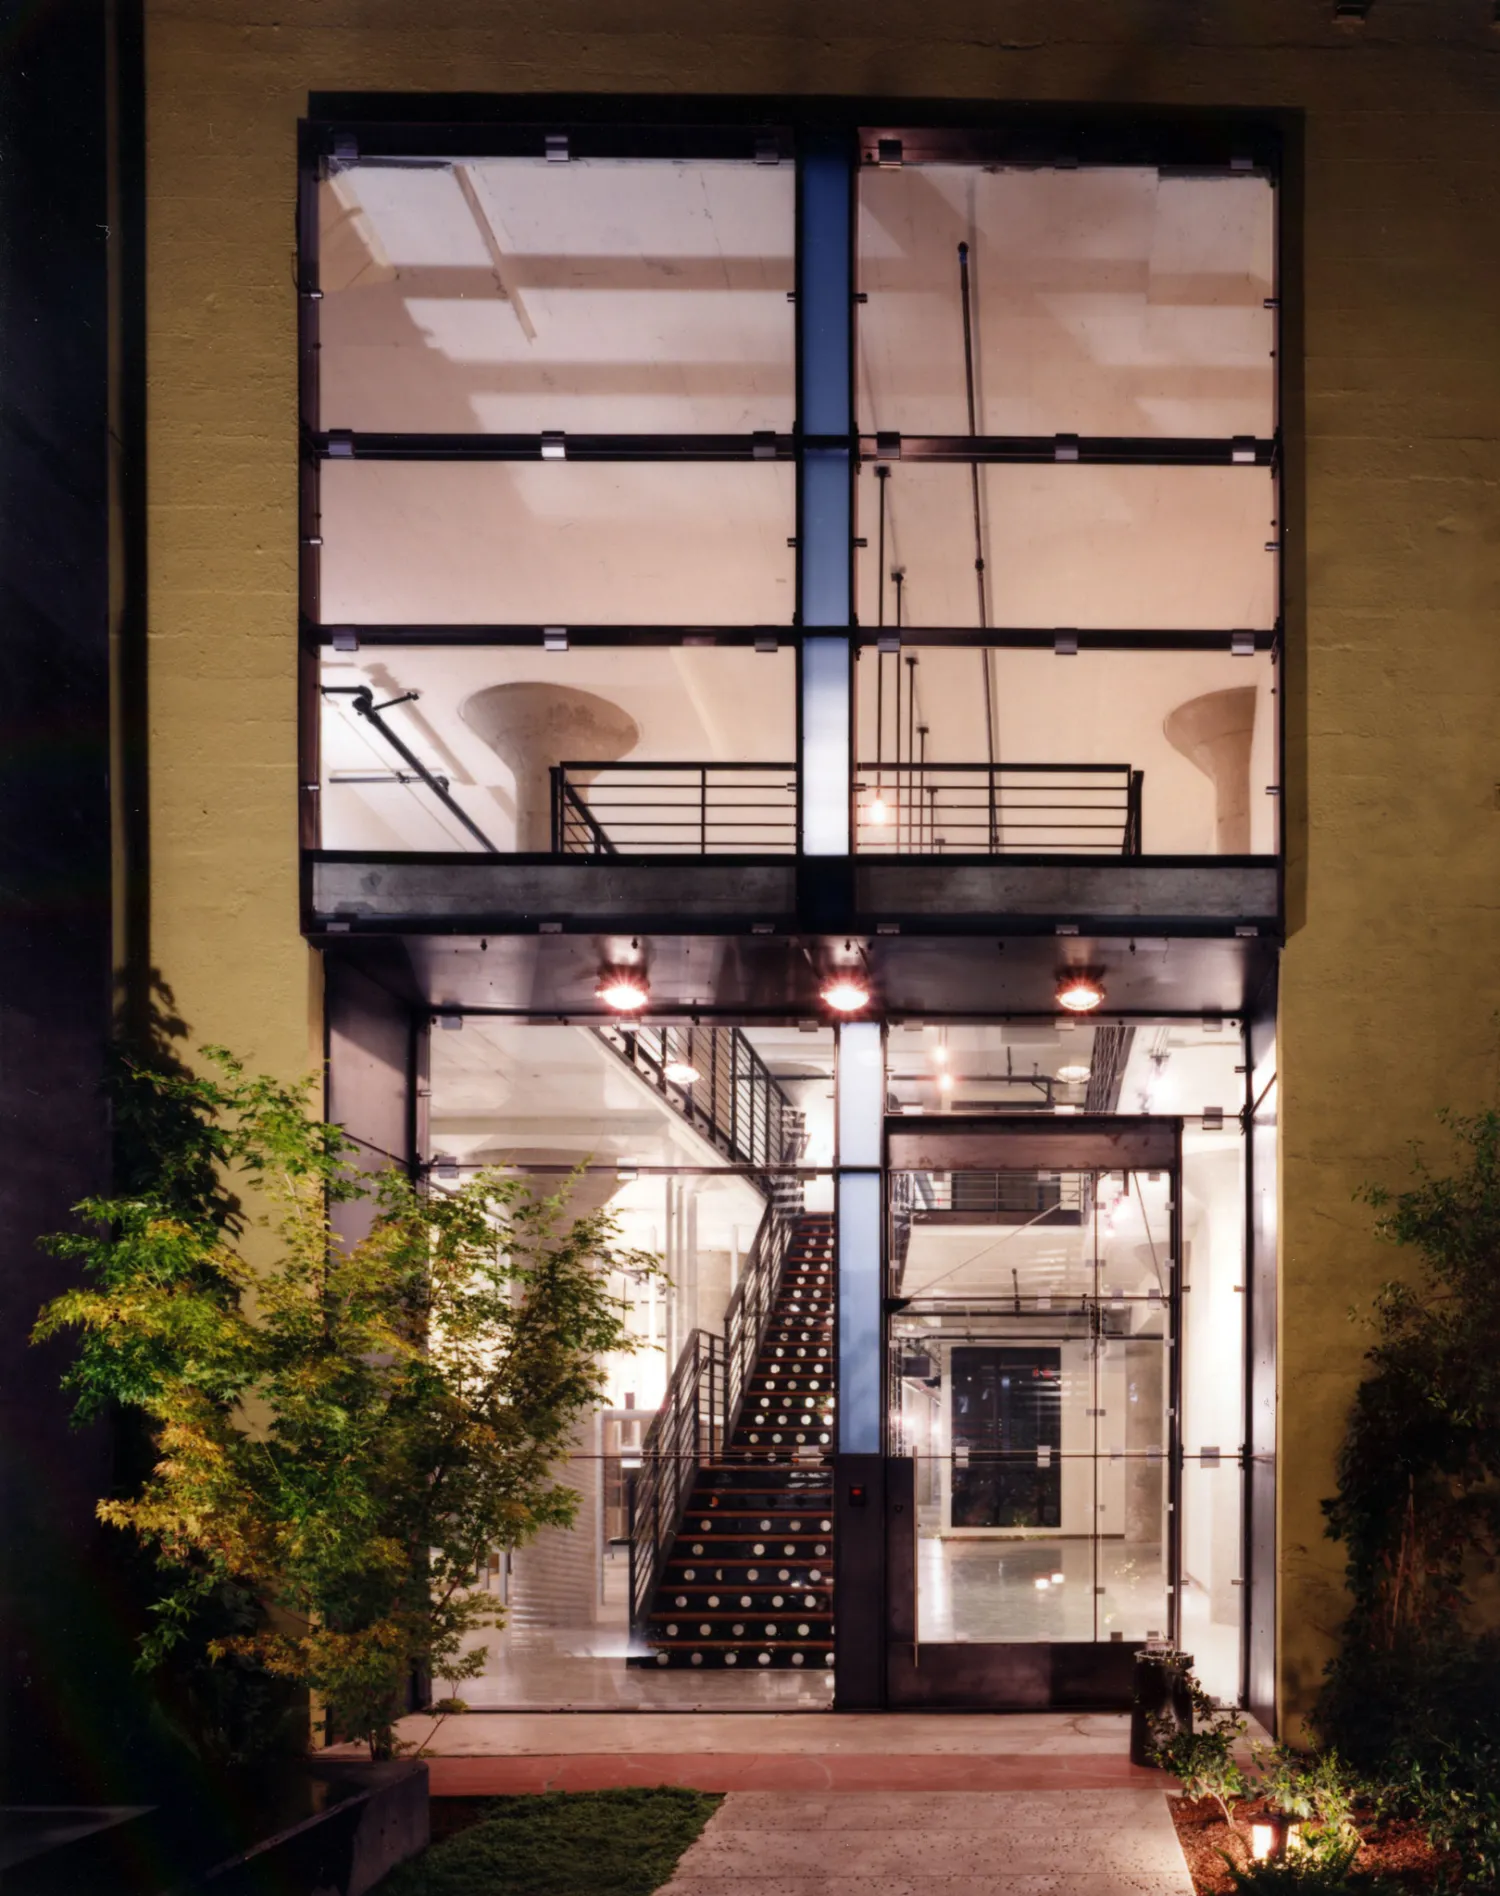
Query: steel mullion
point(344, 444)
point(413, 129)
point(1075, 450)
point(1020, 638)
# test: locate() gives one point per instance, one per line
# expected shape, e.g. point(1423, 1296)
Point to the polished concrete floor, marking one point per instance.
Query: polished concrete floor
point(582, 1668)
point(989, 1589)
point(1034, 1589)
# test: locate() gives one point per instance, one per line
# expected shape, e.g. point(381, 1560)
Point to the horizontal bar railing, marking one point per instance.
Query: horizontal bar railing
point(750, 1310)
point(715, 1080)
point(995, 1194)
point(680, 809)
point(688, 1430)
point(997, 809)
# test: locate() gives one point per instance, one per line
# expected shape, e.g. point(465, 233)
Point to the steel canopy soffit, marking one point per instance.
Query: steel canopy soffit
point(778, 977)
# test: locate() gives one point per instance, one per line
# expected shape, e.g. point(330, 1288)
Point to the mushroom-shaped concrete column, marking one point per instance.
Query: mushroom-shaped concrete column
point(1214, 731)
point(531, 727)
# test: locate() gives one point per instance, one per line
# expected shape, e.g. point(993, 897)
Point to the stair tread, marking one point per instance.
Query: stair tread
point(721, 1540)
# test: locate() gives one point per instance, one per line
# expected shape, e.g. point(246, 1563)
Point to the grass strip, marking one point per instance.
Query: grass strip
point(562, 1843)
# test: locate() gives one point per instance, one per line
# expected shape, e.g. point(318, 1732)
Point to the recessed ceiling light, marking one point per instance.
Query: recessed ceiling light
point(845, 994)
point(624, 990)
point(1079, 991)
point(1073, 1075)
point(680, 1073)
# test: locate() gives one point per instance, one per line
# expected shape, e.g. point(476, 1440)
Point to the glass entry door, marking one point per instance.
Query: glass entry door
point(1031, 1305)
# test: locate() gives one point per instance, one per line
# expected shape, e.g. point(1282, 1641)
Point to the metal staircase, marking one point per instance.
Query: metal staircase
point(732, 1534)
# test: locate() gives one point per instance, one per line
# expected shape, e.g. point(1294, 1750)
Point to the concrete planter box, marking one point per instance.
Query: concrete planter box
point(324, 1828)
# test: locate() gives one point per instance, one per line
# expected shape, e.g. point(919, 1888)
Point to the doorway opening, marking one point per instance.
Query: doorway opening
point(1066, 1341)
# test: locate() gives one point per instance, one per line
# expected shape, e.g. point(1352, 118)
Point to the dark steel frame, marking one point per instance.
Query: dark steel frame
point(345, 129)
point(410, 128)
point(998, 1660)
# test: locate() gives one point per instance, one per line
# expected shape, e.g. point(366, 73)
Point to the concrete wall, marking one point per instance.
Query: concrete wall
point(1392, 974)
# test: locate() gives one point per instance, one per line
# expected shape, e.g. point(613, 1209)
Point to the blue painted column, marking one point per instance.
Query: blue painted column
point(824, 532)
point(825, 604)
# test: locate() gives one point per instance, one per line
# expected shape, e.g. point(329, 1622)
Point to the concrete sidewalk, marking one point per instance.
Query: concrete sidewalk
point(488, 1754)
point(944, 1843)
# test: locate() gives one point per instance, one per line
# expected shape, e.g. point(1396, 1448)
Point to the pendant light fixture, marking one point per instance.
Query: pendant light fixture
point(845, 993)
point(1079, 990)
point(624, 989)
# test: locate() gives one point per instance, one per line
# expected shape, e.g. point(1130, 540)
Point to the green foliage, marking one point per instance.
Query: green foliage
point(341, 1431)
point(1307, 1876)
point(580, 1843)
point(1456, 1794)
point(1202, 1759)
point(1418, 1501)
point(1320, 1792)
point(1412, 1696)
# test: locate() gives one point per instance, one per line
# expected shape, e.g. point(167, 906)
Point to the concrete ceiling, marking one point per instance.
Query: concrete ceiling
point(1105, 302)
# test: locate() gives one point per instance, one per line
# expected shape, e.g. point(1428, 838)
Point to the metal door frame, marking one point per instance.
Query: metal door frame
point(1072, 1675)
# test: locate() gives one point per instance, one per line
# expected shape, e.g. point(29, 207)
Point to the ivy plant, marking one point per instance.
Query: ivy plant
point(341, 1431)
point(1417, 1506)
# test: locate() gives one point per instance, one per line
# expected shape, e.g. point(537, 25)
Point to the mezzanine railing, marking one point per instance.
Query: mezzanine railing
point(674, 809)
point(927, 809)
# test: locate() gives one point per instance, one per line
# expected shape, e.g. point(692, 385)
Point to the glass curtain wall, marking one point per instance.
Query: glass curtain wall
point(549, 514)
point(1066, 571)
point(1066, 1344)
point(701, 1172)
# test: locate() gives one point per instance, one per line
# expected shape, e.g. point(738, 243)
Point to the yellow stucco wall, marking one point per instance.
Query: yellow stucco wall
point(1392, 974)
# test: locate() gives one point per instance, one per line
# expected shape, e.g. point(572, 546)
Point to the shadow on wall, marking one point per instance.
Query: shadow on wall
point(1214, 732)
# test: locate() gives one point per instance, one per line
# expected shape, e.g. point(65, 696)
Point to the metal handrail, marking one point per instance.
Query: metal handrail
point(689, 807)
point(571, 817)
point(700, 1411)
point(998, 809)
point(688, 1430)
point(735, 1102)
point(750, 1309)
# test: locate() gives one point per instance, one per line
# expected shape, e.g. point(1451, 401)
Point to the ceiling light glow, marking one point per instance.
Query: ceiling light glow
point(845, 994)
point(879, 812)
point(1073, 1075)
point(624, 990)
point(945, 1082)
point(680, 1073)
point(1079, 992)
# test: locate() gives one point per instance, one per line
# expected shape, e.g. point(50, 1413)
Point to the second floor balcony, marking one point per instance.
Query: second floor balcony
point(641, 780)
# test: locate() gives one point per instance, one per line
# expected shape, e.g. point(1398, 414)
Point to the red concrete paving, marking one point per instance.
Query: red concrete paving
point(497, 1776)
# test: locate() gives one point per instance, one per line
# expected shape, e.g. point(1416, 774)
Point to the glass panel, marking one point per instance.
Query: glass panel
point(1104, 302)
point(508, 296)
point(682, 749)
point(1213, 1255)
point(1200, 728)
point(1030, 1369)
point(543, 543)
point(668, 1157)
point(1074, 1067)
point(1135, 548)
point(1212, 1598)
